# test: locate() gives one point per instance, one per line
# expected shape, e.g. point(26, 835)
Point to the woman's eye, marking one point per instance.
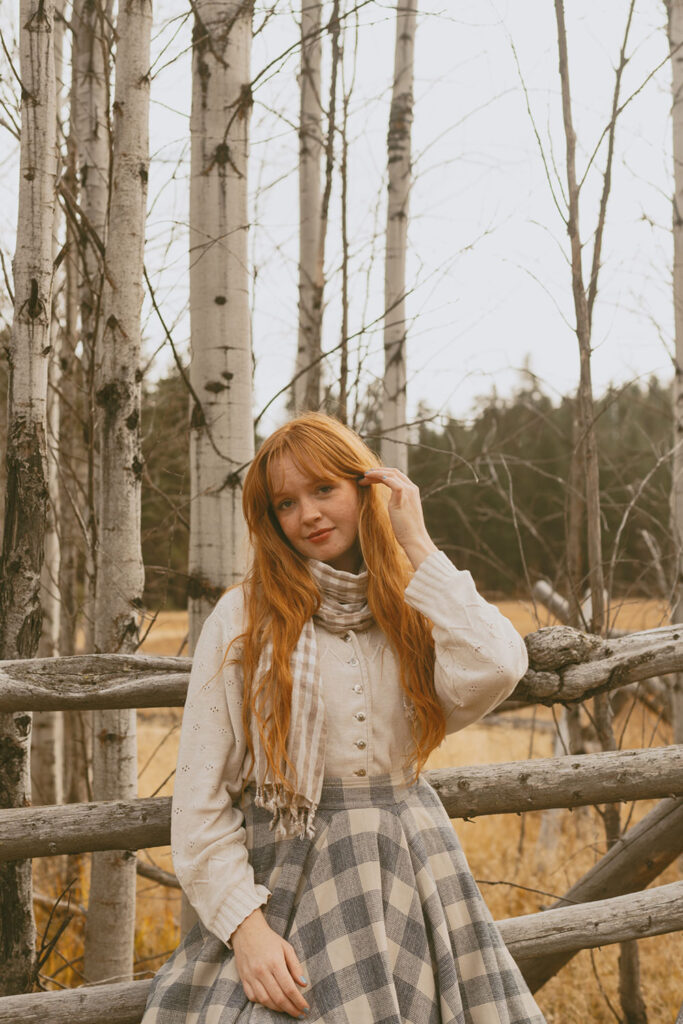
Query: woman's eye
point(325, 488)
point(283, 505)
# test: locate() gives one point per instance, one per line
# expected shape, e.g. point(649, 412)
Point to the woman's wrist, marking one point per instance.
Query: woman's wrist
point(250, 922)
point(418, 550)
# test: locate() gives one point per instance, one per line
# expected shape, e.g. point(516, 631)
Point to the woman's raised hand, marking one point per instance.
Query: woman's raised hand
point(405, 512)
point(268, 967)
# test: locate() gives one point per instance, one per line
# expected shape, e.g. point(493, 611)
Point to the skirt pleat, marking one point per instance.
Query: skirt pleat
point(382, 911)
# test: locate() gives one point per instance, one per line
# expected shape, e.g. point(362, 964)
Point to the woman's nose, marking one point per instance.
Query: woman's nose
point(309, 511)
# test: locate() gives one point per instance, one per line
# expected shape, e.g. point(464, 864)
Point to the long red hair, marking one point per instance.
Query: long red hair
point(280, 595)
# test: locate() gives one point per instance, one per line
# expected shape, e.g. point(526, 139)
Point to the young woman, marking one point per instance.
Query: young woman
point(326, 875)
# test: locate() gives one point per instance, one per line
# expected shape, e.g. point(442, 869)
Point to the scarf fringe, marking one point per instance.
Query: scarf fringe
point(289, 819)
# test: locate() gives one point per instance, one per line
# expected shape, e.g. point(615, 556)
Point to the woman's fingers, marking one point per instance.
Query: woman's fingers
point(288, 996)
point(294, 964)
point(405, 512)
point(272, 983)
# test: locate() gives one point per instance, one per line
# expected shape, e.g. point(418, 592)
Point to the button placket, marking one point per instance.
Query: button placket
point(361, 742)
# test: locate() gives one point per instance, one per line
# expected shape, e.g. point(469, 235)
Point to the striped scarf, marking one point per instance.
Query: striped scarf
point(343, 606)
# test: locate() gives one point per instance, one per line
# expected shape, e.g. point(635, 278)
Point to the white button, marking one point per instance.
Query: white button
point(361, 744)
point(358, 688)
point(360, 716)
point(360, 771)
point(353, 661)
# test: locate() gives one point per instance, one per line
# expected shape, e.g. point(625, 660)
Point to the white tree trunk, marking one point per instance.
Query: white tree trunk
point(47, 739)
point(394, 429)
point(73, 463)
point(26, 489)
point(110, 926)
point(221, 431)
point(307, 380)
point(90, 136)
point(675, 12)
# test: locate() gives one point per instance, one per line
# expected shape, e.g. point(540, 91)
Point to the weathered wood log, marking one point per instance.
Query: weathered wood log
point(78, 828)
point(119, 1003)
point(565, 930)
point(544, 593)
point(572, 781)
point(569, 929)
point(466, 792)
point(513, 721)
point(156, 874)
point(140, 681)
point(553, 647)
point(636, 859)
point(578, 682)
point(93, 681)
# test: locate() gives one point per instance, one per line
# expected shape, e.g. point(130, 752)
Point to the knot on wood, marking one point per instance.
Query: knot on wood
point(23, 724)
point(112, 396)
point(245, 102)
point(553, 647)
point(34, 305)
point(232, 481)
point(104, 736)
point(199, 587)
point(222, 154)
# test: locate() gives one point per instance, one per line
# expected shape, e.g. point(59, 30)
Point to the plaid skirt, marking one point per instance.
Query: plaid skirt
point(382, 911)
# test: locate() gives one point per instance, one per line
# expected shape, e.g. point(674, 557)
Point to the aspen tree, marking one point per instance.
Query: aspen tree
point(26, 489)
point(91, 138)
point(394, 429)
point(74, 533)
point(221, 421)
point(47, 738)
point(307, 379)
point(675, 28)
point(110, 926)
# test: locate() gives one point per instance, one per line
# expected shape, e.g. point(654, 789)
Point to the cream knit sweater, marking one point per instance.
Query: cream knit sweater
point(479, 659)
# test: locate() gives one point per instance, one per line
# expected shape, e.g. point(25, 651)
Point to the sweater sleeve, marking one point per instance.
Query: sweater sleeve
point(480, 656)
point(207, 830)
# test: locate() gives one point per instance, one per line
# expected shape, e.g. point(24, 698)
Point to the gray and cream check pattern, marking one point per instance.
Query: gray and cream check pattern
point(384, 915)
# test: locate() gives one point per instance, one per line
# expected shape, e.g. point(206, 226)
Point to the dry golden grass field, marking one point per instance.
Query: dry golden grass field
point(515, 876)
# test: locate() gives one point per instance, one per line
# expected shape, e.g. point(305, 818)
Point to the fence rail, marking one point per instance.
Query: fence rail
point(567, 666)
point(467, 792)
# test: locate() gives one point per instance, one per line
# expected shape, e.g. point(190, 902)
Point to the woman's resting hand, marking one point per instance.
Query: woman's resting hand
point(268, 967)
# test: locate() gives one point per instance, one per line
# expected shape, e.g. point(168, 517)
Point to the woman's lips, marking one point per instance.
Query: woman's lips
point(320, 535)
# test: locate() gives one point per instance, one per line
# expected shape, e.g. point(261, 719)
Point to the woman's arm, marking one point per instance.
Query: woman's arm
point(207, 831)
point(480, 657)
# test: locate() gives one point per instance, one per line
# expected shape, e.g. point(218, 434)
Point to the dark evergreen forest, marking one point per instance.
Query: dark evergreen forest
point(494, 488)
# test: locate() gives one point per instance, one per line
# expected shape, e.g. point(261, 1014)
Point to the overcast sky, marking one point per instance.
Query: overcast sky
point(490, 284)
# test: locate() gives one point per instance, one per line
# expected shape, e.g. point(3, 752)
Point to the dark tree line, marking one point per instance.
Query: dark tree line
point(495, 488)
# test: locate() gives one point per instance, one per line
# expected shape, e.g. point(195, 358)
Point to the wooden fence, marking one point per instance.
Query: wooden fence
point(607, 905)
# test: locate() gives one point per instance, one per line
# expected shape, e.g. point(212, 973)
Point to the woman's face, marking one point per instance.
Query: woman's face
point(319, 518)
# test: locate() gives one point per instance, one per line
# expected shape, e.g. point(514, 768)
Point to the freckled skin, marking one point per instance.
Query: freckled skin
point(319, 518)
